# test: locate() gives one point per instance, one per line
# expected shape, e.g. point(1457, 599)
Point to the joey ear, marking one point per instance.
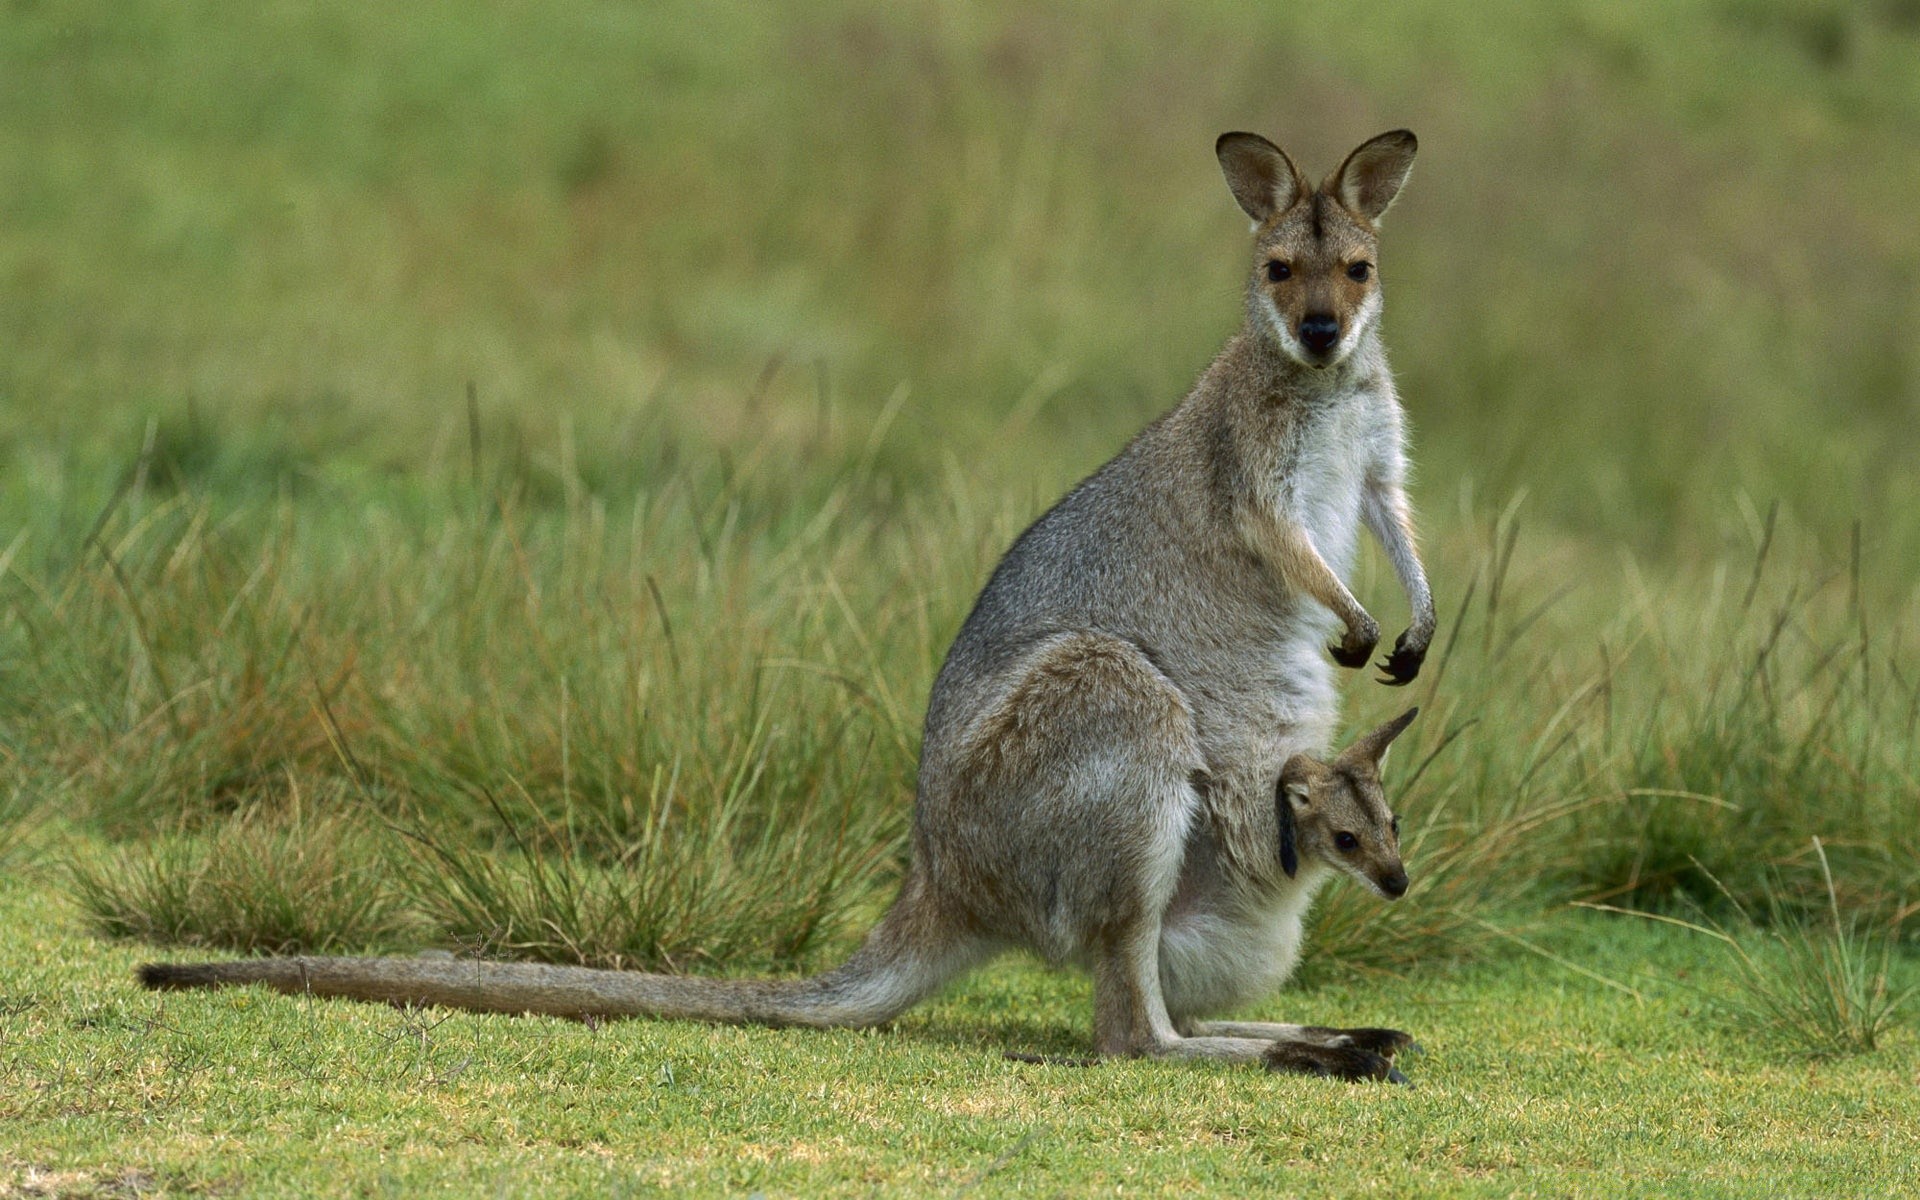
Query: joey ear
point(1260, 175)
point(1297, 776)
point(1295, 787)
point(1371, 177)
point(1372, 748)
point(1283, 806)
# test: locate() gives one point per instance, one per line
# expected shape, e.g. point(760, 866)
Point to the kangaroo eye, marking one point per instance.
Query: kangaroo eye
point(1396, 826)
point(1359, 271)
point(1277, 270)
point(1346, 841)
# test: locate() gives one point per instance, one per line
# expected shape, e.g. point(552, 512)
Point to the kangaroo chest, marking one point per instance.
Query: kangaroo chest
point(1320, 466)
point(1263, 687)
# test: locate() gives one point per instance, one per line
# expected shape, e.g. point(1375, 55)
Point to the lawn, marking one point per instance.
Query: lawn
point(502, 478)
point(1536, 1079)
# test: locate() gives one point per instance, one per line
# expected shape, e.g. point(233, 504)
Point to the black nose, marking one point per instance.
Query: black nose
point(1319, 332)
point(1394, 885)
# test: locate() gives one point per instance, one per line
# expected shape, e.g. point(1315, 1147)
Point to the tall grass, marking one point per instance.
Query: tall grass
point(570, 486)
point(291, 879)
point(685, 734)
point(1819, 985)
point(1773, 720)
point(1683, 757)
point(19, 819)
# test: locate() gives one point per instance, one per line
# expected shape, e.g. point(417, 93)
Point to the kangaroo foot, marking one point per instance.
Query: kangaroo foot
point(1350, 1061)
point(1384, 1042)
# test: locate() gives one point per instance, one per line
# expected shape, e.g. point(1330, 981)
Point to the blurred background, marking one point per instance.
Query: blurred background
point(396, 399)
point(1658, 265)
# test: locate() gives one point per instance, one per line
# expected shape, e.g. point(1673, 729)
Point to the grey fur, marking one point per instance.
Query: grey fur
point(1119, 767)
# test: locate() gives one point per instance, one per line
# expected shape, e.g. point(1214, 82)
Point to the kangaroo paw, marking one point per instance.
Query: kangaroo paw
point(1351, 1062)
point(1352, 654)
point(1403, 664)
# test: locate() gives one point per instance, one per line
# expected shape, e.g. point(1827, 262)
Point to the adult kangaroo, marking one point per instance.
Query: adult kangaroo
point(1124, 763)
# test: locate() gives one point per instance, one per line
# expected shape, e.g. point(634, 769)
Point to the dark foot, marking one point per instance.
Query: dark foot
point(1350, 1061)
point(1403, 664)
point(1353, 653)
point(1384, 1042)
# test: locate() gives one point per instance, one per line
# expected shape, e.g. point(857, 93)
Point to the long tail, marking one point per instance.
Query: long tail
point(901, 963)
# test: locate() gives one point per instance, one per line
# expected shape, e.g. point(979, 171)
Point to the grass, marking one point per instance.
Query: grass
point(1819, 987)
point(448, 501)
point(276, 883)
point(572, 774)
point(1535, 1078)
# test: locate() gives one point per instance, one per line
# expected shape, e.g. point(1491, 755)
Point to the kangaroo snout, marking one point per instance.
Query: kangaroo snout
point(1394, 884)
point(1319, 332)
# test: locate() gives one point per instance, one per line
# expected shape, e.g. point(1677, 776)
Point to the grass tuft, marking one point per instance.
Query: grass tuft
point(1818, 987)
point(1778, 733)
point(292, 881)
point(721, 882)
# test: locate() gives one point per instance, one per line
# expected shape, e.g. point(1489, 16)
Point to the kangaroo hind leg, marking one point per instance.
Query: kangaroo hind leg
point(1100, 752)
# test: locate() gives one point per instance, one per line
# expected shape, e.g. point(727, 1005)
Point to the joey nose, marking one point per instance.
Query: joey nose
point(1319, 332)
point(1394, 885)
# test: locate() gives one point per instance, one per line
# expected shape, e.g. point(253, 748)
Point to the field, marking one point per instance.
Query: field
point(502, 478)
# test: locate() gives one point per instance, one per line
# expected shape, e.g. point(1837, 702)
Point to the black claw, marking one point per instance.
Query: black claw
point(1402, 665)
point(1394, 1076)
point(1352, 658)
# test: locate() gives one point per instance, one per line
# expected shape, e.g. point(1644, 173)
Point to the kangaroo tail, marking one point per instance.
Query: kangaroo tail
point(901, 963)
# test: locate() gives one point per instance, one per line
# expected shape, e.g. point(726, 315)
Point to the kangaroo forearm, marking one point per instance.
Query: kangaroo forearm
point(1288, 551)
point(1390, 518)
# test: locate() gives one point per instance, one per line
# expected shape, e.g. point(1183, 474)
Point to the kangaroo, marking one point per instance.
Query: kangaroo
point(1121, 763)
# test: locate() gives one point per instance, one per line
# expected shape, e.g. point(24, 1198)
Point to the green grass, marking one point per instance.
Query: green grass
point(269, 883)
point(504, 477)
point(1535, 1078)
point(1820, 986)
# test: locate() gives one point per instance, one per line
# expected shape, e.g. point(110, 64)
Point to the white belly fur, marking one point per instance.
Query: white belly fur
point(1215, 961)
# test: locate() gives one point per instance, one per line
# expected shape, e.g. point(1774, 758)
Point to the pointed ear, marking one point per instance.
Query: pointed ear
point(1371, 177)
point(1372, 749)
point(1289, 849)
point(1294, 788)
point(1260, 175)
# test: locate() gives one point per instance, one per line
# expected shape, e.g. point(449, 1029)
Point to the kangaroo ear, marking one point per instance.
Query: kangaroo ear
point(1292, 789)
point(1372, 749)
point(1289, 851)
point(1260, 175)
point(1371, 177)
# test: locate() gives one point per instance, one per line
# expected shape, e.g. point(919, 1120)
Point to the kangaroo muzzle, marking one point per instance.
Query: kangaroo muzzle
point(1320, 333)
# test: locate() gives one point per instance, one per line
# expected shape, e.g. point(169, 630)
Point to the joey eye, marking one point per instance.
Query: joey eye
point(1396, 825)
point(1277, 270)
point(1346, 841)
point(1359, 271)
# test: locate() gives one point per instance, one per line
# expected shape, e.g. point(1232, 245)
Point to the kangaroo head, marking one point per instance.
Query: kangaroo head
point(1338, 814)
point(1315, 285)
